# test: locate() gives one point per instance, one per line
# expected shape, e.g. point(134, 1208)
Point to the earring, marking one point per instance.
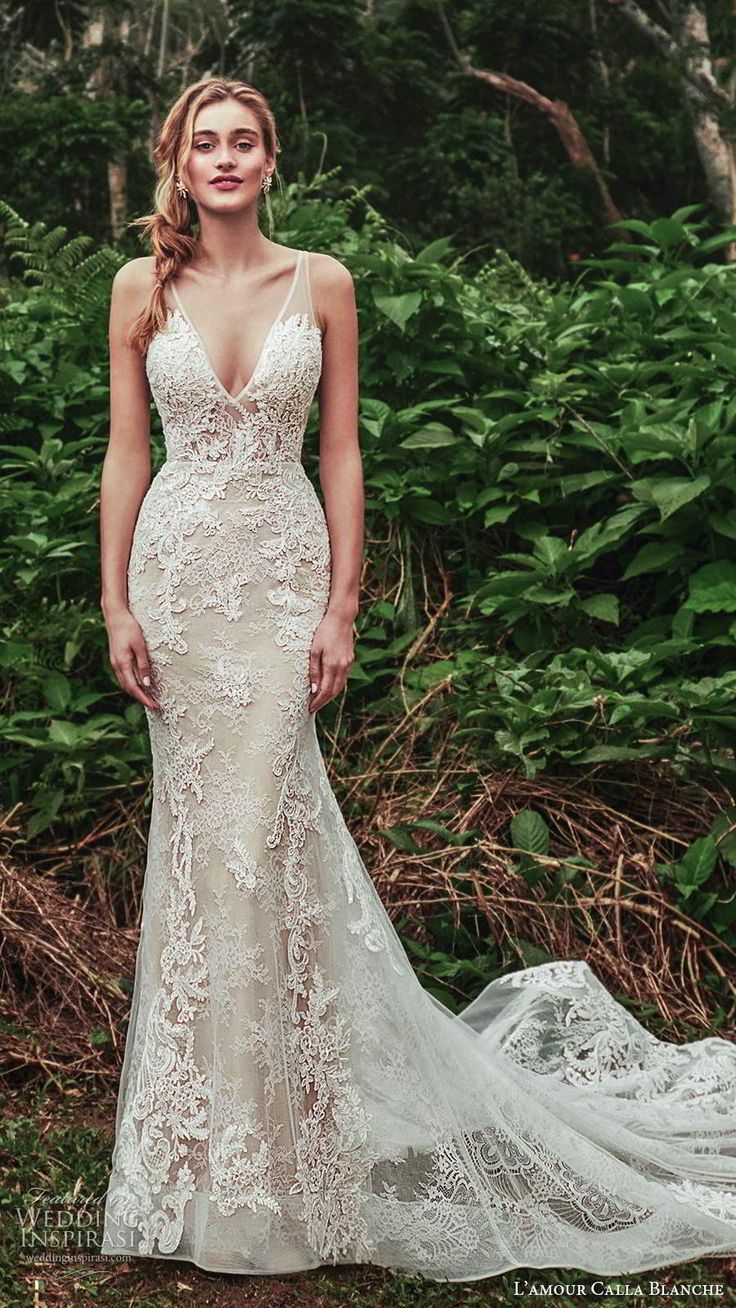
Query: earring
point(266, 184)
point(181, 188)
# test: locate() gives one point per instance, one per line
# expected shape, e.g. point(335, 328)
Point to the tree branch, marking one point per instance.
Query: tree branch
point(700, 79)
point(564, 122)
point(557, 111)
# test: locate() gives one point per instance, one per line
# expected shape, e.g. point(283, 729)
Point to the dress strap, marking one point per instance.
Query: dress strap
point(299, 299)
point(308, 288)
point(293, 285)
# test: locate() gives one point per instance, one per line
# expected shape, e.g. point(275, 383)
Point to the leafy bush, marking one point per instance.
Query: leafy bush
point(579, 485)
point(551, 517)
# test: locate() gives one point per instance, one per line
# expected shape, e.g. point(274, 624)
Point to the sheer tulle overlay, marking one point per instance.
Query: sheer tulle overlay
point(290, 1094)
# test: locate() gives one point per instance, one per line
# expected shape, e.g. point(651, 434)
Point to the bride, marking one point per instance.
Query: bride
point(290, 1095)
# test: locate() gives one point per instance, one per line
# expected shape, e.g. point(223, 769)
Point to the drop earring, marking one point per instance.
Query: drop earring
point(266, 184)
point(181, 188)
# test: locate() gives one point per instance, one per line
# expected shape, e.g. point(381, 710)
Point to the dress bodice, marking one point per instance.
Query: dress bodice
point(262, 426)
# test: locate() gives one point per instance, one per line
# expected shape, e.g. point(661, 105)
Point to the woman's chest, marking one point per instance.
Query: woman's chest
point(286, 372)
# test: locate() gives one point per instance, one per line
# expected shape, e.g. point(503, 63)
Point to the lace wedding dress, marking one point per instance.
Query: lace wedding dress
point(290, 1094)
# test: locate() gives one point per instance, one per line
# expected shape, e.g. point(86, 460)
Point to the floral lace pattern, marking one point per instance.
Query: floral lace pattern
point(589, 1039)
point(290, 1095)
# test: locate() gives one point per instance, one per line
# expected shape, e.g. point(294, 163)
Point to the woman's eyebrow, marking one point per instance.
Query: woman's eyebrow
point(237, 131)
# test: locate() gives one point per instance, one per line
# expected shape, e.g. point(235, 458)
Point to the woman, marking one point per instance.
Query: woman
point(290, 1094)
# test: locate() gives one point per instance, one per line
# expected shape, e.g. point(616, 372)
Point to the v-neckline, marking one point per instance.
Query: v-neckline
point(235, 398)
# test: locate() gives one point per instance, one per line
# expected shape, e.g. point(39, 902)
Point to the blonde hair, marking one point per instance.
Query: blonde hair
point(169, 227)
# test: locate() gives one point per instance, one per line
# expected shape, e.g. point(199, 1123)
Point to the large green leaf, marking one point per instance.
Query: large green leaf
point(431, 437)
point(713, 588)
point(530, 832)
point(399, 308)
point(670, 493)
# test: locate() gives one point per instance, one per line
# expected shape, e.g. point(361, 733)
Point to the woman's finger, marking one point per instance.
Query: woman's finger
point(142, 664)
point(328, 689)
point(130, 684)
point(315, 673)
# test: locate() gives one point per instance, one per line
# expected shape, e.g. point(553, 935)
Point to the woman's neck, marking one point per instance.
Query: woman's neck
point(227, 247)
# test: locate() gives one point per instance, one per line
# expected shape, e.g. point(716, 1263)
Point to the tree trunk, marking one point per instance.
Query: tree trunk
point(604, 73)
point(715, 152)
point(687, 48)
point(101, 85)
point(117, 183)
point(163, 39)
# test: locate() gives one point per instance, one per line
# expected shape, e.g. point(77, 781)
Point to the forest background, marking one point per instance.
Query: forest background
point(535, 749)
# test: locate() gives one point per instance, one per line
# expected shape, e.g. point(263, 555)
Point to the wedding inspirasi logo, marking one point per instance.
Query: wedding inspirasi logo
point(59, 1227)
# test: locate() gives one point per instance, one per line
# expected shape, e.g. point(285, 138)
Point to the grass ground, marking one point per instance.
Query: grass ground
point(58, 1141)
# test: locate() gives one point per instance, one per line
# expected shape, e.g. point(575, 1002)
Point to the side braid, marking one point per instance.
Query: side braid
point(172, 248)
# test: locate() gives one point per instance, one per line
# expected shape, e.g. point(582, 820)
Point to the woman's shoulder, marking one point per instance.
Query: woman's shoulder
point(131, 289)
point(330, 272)
point(136, 277)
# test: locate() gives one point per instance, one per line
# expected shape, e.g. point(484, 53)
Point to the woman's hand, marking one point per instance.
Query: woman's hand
point(129, 656)
point(330, 658)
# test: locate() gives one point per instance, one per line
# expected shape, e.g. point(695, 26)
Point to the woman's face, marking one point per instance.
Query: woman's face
point(227, 143)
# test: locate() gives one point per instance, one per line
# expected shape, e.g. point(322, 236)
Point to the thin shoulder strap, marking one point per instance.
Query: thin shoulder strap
point(175, 293)
point(296, 277)
point(308, 287)
point(299, 296)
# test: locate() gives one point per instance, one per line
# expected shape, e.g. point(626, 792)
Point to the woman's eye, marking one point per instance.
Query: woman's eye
point(201, 144)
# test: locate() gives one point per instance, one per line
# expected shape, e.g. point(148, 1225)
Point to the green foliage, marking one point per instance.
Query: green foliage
point(530, 834)
point(376, 91)
point(562, 455)
point(703, 890)
point(66, 738)
point(56, 146)
point(458, 961)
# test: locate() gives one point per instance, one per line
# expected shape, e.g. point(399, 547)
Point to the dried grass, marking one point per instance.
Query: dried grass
point(68, 923)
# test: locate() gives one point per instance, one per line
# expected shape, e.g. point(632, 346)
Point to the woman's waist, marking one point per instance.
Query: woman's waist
point(244, 462)
point(185, 481)
point(225, 470)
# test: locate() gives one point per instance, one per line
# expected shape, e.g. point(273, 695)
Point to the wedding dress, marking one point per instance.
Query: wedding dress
point(290, 1094)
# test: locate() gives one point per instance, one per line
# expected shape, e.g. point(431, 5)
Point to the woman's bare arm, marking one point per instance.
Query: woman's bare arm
point(126, 476)
point(340, 474)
